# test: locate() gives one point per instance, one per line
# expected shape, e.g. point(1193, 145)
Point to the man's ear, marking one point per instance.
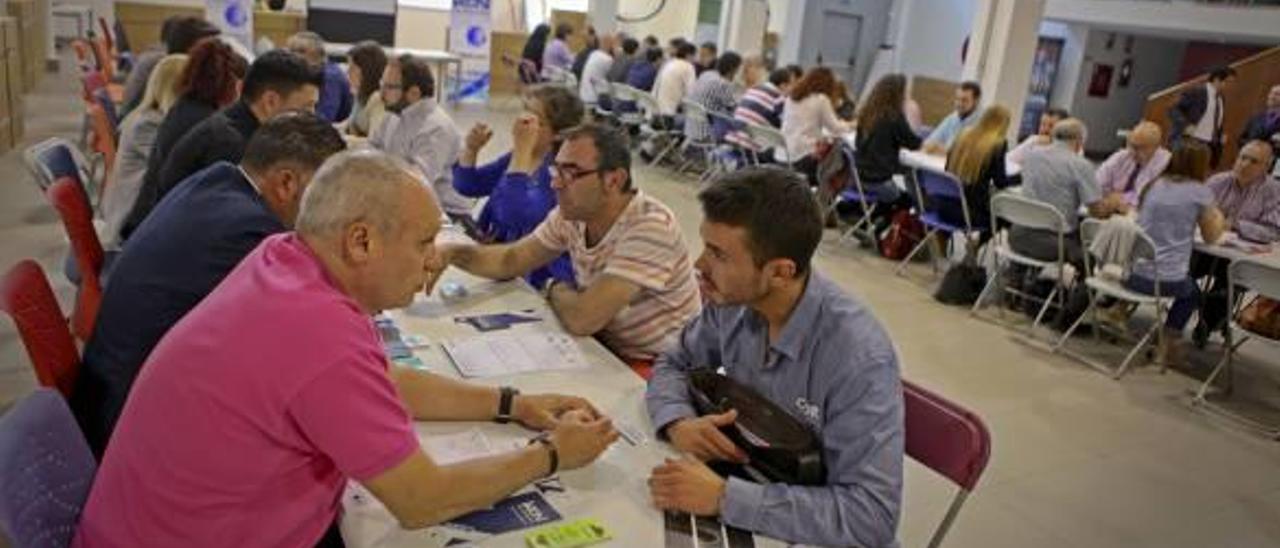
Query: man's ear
point(358, 243)
point(616, 179)
point(780, 271)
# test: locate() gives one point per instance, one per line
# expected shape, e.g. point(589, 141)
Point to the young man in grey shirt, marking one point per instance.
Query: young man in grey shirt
point(775, 324)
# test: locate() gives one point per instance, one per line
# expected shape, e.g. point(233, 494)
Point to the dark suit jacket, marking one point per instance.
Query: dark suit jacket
point(188, 244)
point(221, 137)
point(1261, 126)
point(1188, 111)
point(185, 114)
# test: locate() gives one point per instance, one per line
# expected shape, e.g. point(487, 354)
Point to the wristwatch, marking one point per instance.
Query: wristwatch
point(506, 397)
point(545, 439)
point(547, 287)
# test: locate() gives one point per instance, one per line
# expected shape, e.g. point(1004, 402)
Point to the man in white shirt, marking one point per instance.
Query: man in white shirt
point(595, 73)
point(675, 79)
point(417, 130)
point(1199, 112)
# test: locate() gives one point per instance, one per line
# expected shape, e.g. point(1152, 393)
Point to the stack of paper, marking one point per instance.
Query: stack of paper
point(492, 355)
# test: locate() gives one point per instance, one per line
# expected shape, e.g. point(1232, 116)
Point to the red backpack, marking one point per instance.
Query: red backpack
point(904, 234)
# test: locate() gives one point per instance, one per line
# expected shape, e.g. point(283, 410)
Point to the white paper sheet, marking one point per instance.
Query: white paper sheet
point(493, 354)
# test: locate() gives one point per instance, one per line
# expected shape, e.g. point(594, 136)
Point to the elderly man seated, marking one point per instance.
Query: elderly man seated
point(1128, 170)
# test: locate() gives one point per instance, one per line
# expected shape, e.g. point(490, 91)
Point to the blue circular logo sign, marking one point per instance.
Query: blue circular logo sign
point(475, 36)
point(235, 15)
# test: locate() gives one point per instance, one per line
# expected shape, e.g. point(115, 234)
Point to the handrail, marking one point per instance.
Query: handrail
point(1179, 87)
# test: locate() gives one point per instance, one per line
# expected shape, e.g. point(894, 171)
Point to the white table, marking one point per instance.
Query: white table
point(612, 490)
point(1232, 252)
point(920, 160)
point(441, 59)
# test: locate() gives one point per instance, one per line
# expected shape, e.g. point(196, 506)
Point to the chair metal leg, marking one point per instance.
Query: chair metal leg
point(1066, 336)
point(1044, 308)
point(991, 282)
point(925, 241)
point(1133, 353)
point(675, 142)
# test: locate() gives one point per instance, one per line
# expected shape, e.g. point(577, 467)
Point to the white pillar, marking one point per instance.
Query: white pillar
point(1002, 46)
point(789, 40)
point(743, 24)
point(603, 14)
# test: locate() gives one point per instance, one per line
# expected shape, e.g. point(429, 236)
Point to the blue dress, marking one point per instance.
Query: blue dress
point(517, 204)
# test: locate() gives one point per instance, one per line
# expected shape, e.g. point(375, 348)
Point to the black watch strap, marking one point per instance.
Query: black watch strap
point(545, 440)
point(506, 397)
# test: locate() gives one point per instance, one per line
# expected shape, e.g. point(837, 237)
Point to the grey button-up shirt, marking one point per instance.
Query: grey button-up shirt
point(834, 368)
point(1061, 178)
point(426, 137)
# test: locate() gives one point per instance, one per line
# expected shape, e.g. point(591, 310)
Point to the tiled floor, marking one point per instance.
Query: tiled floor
point(1078, 460)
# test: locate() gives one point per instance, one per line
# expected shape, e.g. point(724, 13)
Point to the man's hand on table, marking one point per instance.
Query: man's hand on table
point(701, 437)
point(579, 437)
point(687, 485)
point(546, 411)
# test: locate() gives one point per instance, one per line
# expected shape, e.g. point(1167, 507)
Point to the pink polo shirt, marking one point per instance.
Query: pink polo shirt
point(250, 415)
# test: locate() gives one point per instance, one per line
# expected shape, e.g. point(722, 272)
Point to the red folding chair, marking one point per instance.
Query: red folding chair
point(72, 204)
point(948, 439)
point(26, 297)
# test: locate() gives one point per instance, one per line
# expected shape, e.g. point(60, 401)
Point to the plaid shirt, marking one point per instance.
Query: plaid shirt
point(711, 90)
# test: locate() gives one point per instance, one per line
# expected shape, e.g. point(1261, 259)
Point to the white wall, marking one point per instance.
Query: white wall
point(1155, 66)
point(778, 15)
point(932, 35)
point(1181, 20)
point(679, 18)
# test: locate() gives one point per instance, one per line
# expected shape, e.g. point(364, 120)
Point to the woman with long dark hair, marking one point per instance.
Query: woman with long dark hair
point(883, 131)
point(531, 57)
point(365, 63)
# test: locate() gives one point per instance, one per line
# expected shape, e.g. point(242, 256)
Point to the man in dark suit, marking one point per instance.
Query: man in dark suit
point(1265, 125)
point(1199, 112)
point(277, 81)
point(191, 240)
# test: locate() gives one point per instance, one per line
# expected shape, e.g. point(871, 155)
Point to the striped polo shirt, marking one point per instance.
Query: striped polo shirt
point(644, 246)
point(760, 105)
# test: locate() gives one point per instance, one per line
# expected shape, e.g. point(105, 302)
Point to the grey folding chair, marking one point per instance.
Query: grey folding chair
point(769, 138)
point(705, 146)
point(1022, 211)
point(1244, 276)
point(624, 94)
point(657, 128)
point(1100, 286)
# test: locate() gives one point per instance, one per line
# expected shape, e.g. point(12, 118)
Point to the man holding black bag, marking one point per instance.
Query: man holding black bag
point(788, 333)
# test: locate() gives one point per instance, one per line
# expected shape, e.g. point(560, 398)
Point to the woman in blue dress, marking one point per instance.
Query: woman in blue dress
point(518, 183)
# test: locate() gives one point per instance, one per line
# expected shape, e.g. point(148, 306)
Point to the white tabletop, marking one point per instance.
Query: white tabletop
point(1231, 248)
point(341, 49)
point(921, 160)
point(612, 490)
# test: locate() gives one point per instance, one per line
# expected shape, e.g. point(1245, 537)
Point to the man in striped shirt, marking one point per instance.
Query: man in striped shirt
point(713, 90)
point(635, 287)
point(762, 103)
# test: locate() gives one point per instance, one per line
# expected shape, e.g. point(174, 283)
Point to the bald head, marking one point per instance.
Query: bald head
point(1144, 140)
point(360, 185)
point(1252, 162)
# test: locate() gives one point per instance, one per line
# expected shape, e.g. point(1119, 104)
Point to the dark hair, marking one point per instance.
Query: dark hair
point(728, 64)
point(972, 87)
point(562, 106)
point(181, 32)
point(281, 71)
point(685, 49)
point(653, 55)
point(817, 80)
point(1219, 74)
point(563, 30)
point(651, 41)
point(294, 136)
point(536, 44)
point(1058, 112)
point(416, 72)
point(1190, 160)
point(675, 42)
point(629, 46)
point(779, 76)
point(211, 73)
point(372, 60)
point(709, 46)
point(611, 147)
point(797, 72)
point(884, 101)
point(776, 208)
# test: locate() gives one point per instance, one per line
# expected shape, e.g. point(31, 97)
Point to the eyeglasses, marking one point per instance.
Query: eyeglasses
point(570, 173)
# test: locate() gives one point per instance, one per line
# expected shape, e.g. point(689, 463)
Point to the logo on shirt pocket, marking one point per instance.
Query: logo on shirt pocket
point(809, 412)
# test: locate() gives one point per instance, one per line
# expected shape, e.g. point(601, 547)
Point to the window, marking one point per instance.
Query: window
point(444, 5)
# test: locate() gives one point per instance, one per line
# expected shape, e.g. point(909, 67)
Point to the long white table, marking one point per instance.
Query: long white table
point(441, 60)
point(612, 490)
point(1271, 255)
point(921, 160)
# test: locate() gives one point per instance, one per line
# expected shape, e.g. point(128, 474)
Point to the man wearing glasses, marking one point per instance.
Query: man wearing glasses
point(634, 287)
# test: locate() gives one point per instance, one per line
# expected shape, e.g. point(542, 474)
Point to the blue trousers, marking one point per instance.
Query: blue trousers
point(1185, 293)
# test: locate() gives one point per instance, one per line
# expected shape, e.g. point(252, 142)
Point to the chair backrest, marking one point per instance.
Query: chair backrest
point(85, 58)
point(77, 218)
point(1023, 211)
point(46, 471)
point(767, 137)
point(949, 440)
point(103, 141)
point(103, 99)
point(933, 186)
point(723, 124)
point(694, 110)
point(1260, 277)
point(122, 39)
point(106, 61)
point(26, 297)
point(1143, 248)
point(54, 158)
